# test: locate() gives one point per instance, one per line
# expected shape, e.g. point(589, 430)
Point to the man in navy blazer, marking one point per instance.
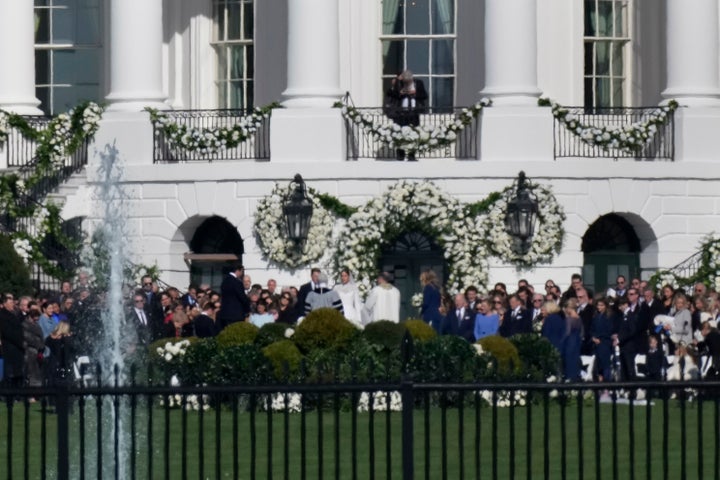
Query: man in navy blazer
point(517, 318)
point(234, 304)
point(459, 320)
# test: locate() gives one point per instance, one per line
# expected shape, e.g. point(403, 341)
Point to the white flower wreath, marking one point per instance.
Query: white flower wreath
point(415, 205)
point(269, 228)
point(549, 231)
point(629, 138)
point(423, 138)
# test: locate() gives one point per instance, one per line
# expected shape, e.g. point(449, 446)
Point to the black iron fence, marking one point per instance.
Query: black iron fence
point(568, 144)
point(361, 144)
point(401, 430)
point(257, 147)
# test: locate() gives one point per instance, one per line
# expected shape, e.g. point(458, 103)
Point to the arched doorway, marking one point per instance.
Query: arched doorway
point(406, 258)
point(215, 246)
point(611, 247)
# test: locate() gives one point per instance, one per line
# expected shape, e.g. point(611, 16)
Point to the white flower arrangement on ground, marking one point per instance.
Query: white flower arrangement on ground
point(422, 138)
point(549, 231)
point(208, 140)
point(504, 398)
point(630, 137)
point(172, 350)
point(416, 300)
point(410, 205)
point(280, 402)
point(381, 401)
point(269, 228)
point(192, 402)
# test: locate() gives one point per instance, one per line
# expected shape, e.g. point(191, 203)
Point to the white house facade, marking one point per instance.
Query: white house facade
point(201, 60)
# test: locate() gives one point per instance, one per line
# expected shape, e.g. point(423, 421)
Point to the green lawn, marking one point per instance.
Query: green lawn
point(329, 441)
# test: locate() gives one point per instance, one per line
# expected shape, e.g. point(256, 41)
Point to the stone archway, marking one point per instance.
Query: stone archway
point(215, 245)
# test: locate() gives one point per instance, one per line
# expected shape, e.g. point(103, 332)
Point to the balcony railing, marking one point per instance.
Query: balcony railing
point(257, 147)
point(361, 144)
point(567, 144)
point(21, 151)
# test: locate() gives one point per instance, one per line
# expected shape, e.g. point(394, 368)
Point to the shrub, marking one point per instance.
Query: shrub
point(420, 330)
point(384, 334)
point(195, 366)
point(447, 358)
point(504, 352)
point(323, 328)
point(240, 365)
point(271, 333)
point(540, 359)
point(238, 333)
point(14, 274)
point(285, 358)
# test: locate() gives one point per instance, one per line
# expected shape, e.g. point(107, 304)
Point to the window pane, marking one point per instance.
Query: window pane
point(236, 95)
point(442, 92)
point(43, 94)
point(219, 22)
point(590, 19)
point(222, 95)
point(392, 57)
point(618, 92)
point(42, 67)
point(602, 92)
point(602, 58)
point(250, 62)
point(63, 99)
point(42, 25)
point(443, 57)
point(249, 94)
point(222, 63)
point(88, 21)
point(248, 20)
point(589, 58)
point(233, 20)
point(589, 102)
point(63, 26)
point(392, 21)
point(443, 20)
point(237, 62)
point(418, 17)
point(621, 19)
point(77, 66)
point(41, 3)
point(418, 55)
point(617, 61)
point(605, 18)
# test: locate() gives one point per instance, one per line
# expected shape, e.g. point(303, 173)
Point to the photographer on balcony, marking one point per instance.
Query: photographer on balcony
point(405, 101)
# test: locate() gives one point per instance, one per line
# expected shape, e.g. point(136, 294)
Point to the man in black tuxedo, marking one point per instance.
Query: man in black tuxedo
point(649, 309)
point(234, 304)
point(629, 338)
point(140, 320)
point(153, 308)
point(13, 343)
point(517, 318)
point(406, 99)
point(305, 289)
point(459, 320)
point(586, 312)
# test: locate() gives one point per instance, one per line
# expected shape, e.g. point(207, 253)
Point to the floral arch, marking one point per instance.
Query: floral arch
point(411, 205)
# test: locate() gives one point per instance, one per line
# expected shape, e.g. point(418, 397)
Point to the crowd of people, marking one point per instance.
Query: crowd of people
point(41, 335)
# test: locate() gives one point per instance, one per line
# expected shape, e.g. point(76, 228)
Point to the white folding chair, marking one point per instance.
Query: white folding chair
point(588, 364)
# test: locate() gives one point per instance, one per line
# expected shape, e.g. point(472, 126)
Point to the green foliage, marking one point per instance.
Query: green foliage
point(14, 274)
point(474, 209)
point(285, 358)
point(196, 365)
point(419, 330)
point(240, 365)
point(384, 334)
point(238, 333)
point(539, 358)
point(323, 328)
point(447, 358)
point(504, 352)
point(271, 333)
point(333, 204)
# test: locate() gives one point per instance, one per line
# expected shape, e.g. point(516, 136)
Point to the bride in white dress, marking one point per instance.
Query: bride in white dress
point(350, 297)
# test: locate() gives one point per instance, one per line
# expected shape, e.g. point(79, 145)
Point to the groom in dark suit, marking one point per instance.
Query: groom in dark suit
point(305, 289)
point(234, 304)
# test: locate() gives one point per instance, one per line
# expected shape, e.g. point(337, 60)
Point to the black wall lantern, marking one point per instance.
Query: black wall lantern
point(298, 210)
point(522, 212)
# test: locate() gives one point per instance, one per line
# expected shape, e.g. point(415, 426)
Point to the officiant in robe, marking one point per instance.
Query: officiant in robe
point(383, 301)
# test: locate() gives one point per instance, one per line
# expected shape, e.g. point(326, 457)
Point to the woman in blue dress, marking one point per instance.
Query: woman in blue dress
point(601, 330)
point(430, 309)
point(486, 321)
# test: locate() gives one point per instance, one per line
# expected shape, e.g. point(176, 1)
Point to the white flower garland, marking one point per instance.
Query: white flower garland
point(420, 139)
point(629, 138)
point(269, 227)
point(549, 231)
point(420, 205)
point(208, 140)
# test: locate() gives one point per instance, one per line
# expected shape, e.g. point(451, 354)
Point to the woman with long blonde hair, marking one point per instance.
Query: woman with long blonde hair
point(431, 303)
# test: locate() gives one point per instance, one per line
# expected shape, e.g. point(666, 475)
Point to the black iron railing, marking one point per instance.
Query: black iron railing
point(568, 144)
point(257, 147)
point(689, 267)
point(361, 144)
point(431, 431)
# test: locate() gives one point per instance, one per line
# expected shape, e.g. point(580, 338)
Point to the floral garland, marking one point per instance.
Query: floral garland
point(548, 237)
point(708, 271)
point(409, 205)
point(412, 138)
point(269, 228)
point(629, 138)
point(209, 140)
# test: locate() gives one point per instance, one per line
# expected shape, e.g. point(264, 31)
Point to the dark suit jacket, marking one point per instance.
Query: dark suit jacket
point(464, 327)
point(303, 291)
point(235, 304)
point(154, 313)
point(12, 336)
point(205, 326)
point(586, 316)
point(145, 333)
point(520, 324)
point(393, 103)
point(630, 333)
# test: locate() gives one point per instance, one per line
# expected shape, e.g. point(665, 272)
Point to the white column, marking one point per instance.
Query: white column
point(136, 40)
point(511, 52)
point(313, 76)
point(17, 57)
point(692, 52)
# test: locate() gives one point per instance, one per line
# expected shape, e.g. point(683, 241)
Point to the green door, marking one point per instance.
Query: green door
point(406, 259)
point(601, 269)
